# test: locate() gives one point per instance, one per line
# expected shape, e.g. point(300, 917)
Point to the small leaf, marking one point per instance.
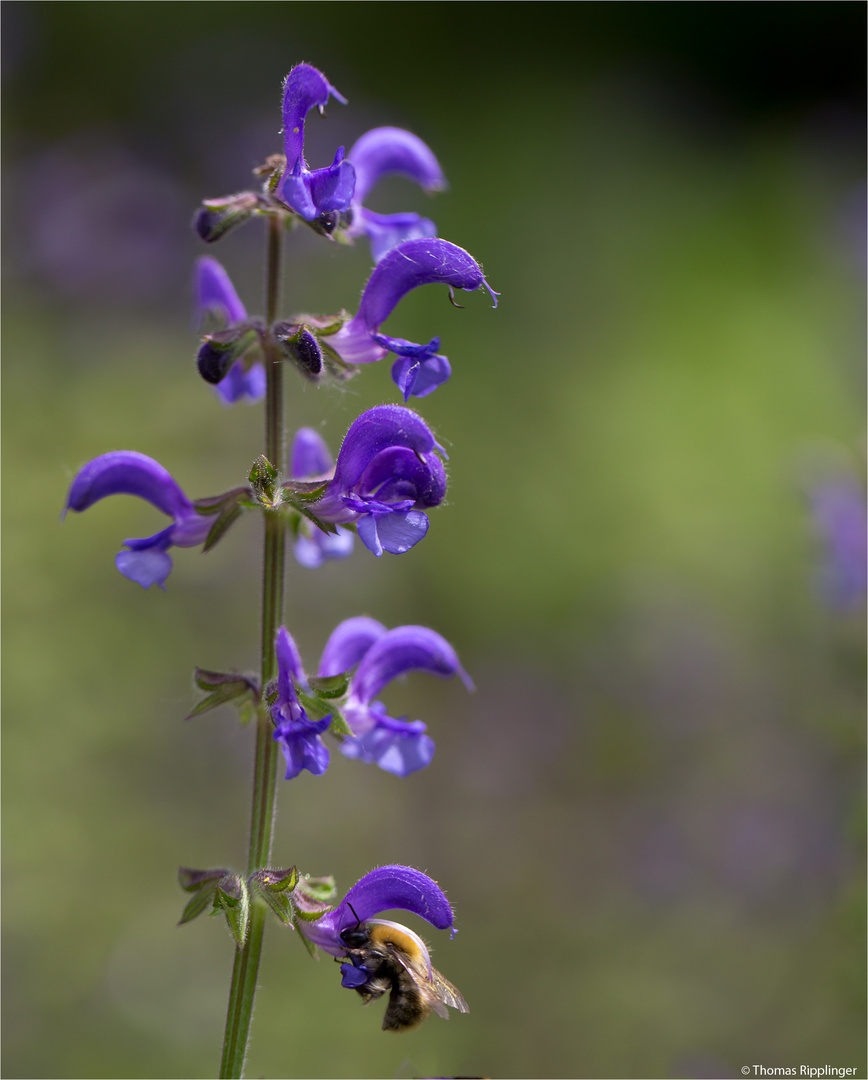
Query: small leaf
point(246, 712)
point(223, 687)
point(323, 526)
point(315, 707)
point(263, 478)
point(325, 325)
point(321, 889)
point(308, 944)
point(305, 490)
point(275, 880)
point(330, 686)
point(281, 906)
point(227, 517)
point(232, 897)
point(339, 726)
point(263, 472)
point(214, 503)
point(190, 880)
point(211, 680)
point(197, 904)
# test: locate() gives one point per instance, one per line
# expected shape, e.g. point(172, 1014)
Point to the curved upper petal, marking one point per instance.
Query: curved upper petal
point(289, 666)
point(303, 88)
point(385, 150)
point(309, 455)
point(422, 261)
point(382, 889)
point(348, 643)
point(126, 472)
point(405, 648)
point(399, 473)
point(386, 231)
point(378, 429)
point(215, 293)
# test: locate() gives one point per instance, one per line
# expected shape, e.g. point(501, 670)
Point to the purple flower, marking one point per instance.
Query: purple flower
point(215, 295)
point(309, 460)
point(125, 472)
point(378, 153)
point(383, 889)
point(839, 511)
point(320, 191)
point(387, 473)
point(379, 655)
point(300, 738)
point(419, 369)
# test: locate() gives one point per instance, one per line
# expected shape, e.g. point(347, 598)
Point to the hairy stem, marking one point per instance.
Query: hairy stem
point(246, 968)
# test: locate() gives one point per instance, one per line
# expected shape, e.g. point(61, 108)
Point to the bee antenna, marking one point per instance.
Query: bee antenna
point(353, 910)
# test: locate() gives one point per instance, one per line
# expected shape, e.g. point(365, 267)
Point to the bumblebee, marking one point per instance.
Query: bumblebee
point(390, 957)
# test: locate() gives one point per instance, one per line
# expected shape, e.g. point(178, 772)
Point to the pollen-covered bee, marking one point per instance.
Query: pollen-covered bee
point(385, 956)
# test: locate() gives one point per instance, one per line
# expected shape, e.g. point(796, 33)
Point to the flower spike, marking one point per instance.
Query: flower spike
point(126, 472)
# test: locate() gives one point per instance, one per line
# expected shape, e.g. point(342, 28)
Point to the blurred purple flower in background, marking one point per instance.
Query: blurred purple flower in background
point(310, 459)
point(381, 152)
point(839, 512)
point(100, 223)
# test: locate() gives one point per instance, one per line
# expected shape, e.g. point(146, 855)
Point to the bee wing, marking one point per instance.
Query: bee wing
point(445, 992)
point(436, 988)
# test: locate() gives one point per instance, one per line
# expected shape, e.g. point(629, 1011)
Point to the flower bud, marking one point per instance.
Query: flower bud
point(217, 216)
point(219, 351)
point(301, 346)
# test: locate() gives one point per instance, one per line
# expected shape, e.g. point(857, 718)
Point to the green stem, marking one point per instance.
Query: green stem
point(246, 967)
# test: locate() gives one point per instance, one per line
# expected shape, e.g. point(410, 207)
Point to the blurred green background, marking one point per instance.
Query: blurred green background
point(649, 816)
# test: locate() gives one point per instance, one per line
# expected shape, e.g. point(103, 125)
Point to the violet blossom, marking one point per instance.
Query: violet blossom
point(423, 261)
point(310, 459)
point(383, 889)
point(310, 193)
point(387, 473)
point(379, 655)
point(300, 738)
point(380, 152)
point(215, 295)
point(126, 472)
point(839, 511)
